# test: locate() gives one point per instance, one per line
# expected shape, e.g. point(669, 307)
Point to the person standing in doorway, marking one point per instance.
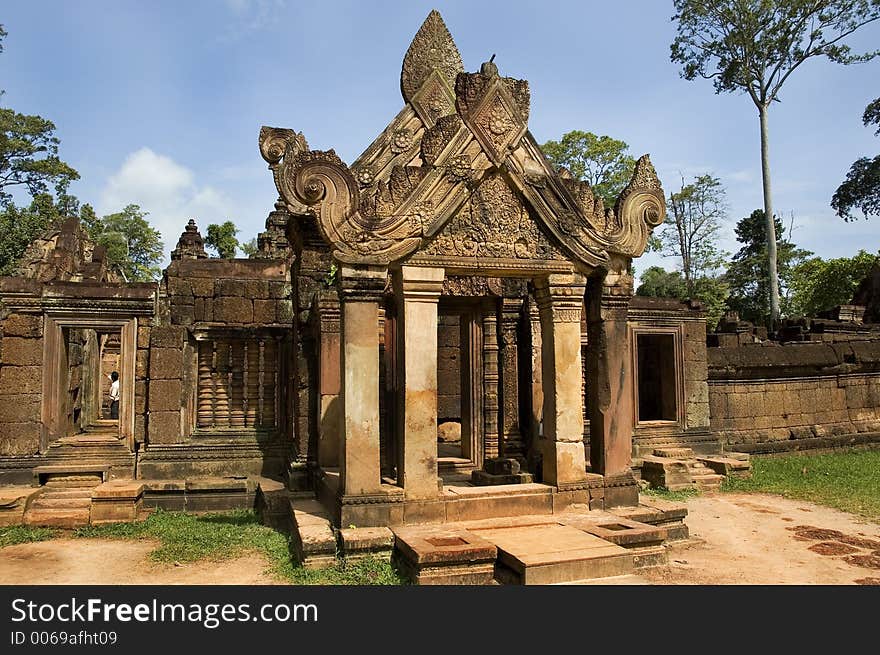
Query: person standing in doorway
point(114, 395)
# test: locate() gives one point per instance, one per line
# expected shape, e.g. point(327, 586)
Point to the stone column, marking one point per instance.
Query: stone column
point(418, 292)
point(360, 291)
point(329, 377)
point(609, 389)
point(511, 442)
point(560, 302)
point(490, 379)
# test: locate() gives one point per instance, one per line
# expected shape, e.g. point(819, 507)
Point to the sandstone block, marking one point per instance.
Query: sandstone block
point(20, 351)
point(164, 395)
point(21, 408)
point(203, 310)
point(203, 287)
point(264, 311)
point(229, 287)
point(233, 310)
point(171, 336)
point(23, 325)
point(143, 336)
point(19, 438)
point(165, 363)
point(164, 427)
point(16, 380)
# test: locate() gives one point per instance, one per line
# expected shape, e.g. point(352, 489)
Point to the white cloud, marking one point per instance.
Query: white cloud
point(165, 189)
point(252, 16)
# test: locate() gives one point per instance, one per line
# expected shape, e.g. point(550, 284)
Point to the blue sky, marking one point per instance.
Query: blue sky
point(160, 103)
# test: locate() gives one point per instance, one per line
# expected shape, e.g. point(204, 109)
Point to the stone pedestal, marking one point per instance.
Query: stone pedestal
point(610, 375)
point(418, 291)
point(560, 301)
point(360, 292)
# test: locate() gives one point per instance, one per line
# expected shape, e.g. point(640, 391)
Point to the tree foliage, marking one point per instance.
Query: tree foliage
point(657, 282)
point(250, 248)
point(134, 247)
point(600, 160)
point(861, 189)
point(753, 46)
point(221, 239)
point(690, 231)
point(820, 284)
point(748, 273)
point(19, 226)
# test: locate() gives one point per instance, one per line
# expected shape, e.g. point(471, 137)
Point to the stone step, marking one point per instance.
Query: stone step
point(50, 502)
point(66, 492)
point(553, 554)
point(57, 518)
point(676, 453)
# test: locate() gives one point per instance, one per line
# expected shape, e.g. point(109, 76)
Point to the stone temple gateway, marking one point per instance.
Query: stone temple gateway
point(440, 339)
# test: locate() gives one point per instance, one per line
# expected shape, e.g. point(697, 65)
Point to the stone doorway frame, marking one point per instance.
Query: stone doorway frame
point(55, 372)
point(677, 334)
point(470, 313)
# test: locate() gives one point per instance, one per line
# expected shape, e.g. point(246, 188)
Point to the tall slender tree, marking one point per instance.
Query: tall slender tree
point(753, 46)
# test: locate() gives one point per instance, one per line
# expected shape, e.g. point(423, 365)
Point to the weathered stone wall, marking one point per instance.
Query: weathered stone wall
point(21, 383)
point(685, 321)
point(765, 393)
point(202, 294)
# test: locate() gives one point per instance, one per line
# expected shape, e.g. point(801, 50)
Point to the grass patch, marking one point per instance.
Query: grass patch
point(190, 538)
point(23, 534)
point(675, 496)
point(849, 481)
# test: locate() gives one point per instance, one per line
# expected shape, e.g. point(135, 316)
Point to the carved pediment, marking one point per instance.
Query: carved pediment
point(494, 223)
point(457, 173)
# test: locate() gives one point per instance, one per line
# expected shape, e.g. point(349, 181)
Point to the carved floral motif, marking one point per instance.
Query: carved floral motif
point(494, 222)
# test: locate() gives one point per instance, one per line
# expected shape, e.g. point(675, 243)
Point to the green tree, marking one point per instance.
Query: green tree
point(752, 47)
point(861, 189)
point(690, 231)
point(748, 274)
point(221, 238)
point(19, 226)
point(134, 247)
point(250, 248)
point(657, 282)
point(600, 160)
point(690, 234)
point(819, 284)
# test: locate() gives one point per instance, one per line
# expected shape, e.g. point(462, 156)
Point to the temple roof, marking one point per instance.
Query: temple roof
point(456, 131)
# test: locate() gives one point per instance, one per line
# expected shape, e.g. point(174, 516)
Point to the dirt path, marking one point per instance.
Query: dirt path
point(744, 539)
point(103, 561)
point(764, 539)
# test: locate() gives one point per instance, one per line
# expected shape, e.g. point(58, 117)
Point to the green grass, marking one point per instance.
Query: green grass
point(676, 496)
point(190, 538)
point(849, 481)
point(23, 534)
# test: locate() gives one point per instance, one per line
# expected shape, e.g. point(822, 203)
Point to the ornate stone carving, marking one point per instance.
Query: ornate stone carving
point(492, 111)
point(275, 140)
point(435, 140)
point(432, 49)
point(493, 223)
point(190, 245)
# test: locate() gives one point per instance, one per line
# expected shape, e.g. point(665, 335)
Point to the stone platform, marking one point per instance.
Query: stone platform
point(568, 547)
